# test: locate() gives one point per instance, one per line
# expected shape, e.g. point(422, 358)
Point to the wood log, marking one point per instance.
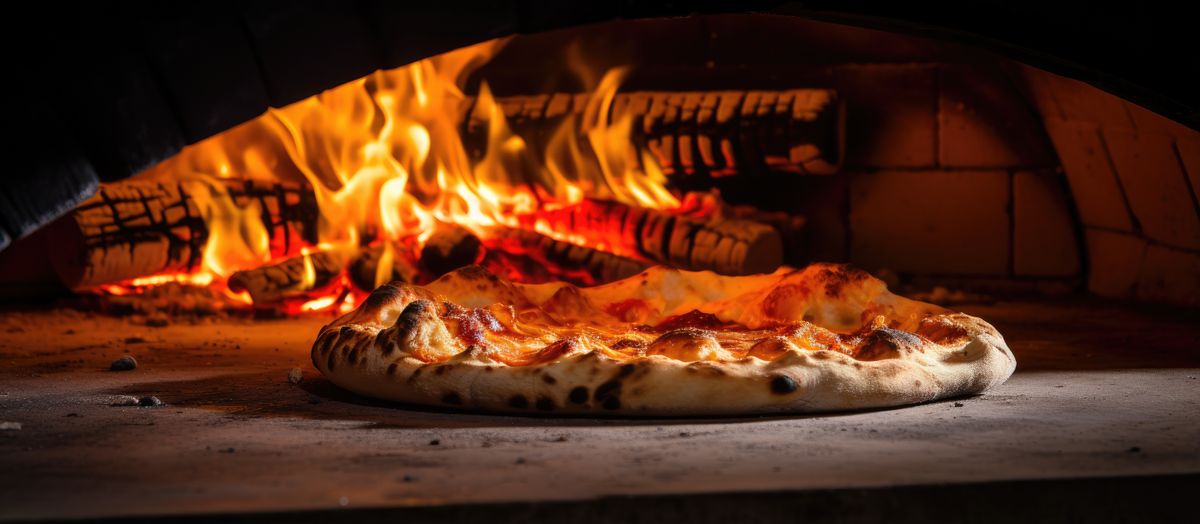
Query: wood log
point(364, 273)
point(791, 229)
point(140, 227)
point(729, 246)
point(715, 132)
point(285, 279)
point(708, 205)
point(563, 260)
point(450, 248)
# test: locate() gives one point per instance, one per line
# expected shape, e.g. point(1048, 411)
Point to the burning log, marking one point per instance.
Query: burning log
point(789, 226)
point(363, 270)
point(708, 205)
point(578, 264)
point(450, 248)
point(289, 278)
point(718, 132)
point(136, 228)
point(729, 246)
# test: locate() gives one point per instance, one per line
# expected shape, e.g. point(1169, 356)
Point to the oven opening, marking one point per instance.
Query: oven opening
point(168, 261)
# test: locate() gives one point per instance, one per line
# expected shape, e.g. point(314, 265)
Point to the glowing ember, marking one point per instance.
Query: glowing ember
point(387, 163)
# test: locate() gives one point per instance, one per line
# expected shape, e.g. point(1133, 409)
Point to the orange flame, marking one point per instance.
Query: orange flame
point(386, 159)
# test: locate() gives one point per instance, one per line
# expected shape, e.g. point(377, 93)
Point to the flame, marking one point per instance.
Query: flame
point(309, 278)
point(318, 304)
point(387, 161)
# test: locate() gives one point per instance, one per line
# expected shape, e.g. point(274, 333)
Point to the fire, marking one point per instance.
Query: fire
point(387, 161)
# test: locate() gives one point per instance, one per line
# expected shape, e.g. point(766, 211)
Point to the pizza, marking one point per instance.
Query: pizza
point(663, 342)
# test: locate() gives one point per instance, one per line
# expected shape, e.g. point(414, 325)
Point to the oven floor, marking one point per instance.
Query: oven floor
point(1101, 391)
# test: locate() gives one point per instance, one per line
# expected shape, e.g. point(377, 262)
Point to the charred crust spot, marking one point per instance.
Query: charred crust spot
point(440, 370)
point(838, 277)
point(885, 343)
point(329, 363)
point(917, 383)
point(626, 370)
point(607, 389)
point(326, 343)
point(545, 404)
point(346, 330)
point(578, 395)
point(382, 343)
point(392, 368)
point(452, 398)
point(518, 402)
point(783, 384)
point(417, 372)
point(608, 394)
point(549, 379)
point(411, 316)
point(381, 296)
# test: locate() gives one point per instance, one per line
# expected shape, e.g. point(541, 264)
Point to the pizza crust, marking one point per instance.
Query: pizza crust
point(822, 338)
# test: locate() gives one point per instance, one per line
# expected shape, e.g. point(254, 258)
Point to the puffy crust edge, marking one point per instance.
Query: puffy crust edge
point(582, 381)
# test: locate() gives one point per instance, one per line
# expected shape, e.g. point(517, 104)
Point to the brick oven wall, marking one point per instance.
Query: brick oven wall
point(952, 175)
point(1134, 177)
point(949, 174)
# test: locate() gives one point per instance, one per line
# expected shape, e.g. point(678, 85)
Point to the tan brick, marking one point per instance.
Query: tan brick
point(1114, 260)
point(931, 221)
point(1044, 242)
point(1155, 186)
point(1091, 176)
point(1170, 275)
point(892, 119)
point(984, 122)
point(1080, 102)
point(1189, 155)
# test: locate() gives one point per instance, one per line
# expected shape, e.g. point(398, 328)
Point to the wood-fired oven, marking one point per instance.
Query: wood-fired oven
point(195, 189)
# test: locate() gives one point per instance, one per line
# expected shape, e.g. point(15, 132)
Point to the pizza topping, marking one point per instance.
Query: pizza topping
point(434, 328)
point(631, 310)
point(695, 319)
point(689, 345)
point(941, 328)
point(771, 348)
point(627, 343)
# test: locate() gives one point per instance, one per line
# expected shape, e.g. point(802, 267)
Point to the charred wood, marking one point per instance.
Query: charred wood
point(287, 278)
point(564, 260)
point(450, 248)
point(364, 270)
point(730, 246)
point(715, 132)
point(137, 228)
